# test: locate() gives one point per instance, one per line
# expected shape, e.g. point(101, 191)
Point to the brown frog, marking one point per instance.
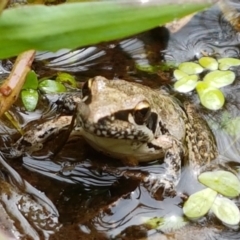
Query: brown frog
point(134, 123)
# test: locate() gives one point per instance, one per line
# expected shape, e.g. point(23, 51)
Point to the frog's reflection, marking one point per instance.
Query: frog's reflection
point(26, 213)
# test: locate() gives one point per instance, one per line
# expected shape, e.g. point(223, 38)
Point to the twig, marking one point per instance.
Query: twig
point(11, 87)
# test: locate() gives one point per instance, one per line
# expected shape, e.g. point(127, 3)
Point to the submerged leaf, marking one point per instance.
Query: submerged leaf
point(190, 68)
point(14, 122)
point(173, 223)
point(51, 86)
point(167, 224)
point(155, 222)
point(73, 25)
point(31, 81)
point(232, 126)
point(226, 210)
point(29, 99)
point(199, 203)
point(146, 68)
point(67, 78)
point(219, 78)
point(223, 182)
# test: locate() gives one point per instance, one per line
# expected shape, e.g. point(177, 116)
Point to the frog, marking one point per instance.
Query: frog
point(133, 123)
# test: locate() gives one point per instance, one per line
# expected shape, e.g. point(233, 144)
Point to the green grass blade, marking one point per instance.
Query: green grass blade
point(74, 25)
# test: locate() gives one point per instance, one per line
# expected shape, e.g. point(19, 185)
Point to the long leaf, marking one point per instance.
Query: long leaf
point(74, 25)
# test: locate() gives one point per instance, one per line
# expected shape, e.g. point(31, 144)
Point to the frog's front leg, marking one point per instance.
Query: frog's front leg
point(34, 139)
point(173, 159)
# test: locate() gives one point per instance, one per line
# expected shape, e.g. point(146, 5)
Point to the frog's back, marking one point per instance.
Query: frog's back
point(181, 121)
point(200, 140)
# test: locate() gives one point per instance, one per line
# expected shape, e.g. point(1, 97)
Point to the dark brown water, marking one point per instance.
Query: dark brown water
point(89, 196)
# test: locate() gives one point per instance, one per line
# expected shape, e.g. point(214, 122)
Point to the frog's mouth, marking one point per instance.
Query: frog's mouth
point(121, 139)
point(127, 124)
point(122, 148)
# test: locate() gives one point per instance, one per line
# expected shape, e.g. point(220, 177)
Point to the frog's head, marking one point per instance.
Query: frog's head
point(128, 120)
point(116, 117)
point(115, 109)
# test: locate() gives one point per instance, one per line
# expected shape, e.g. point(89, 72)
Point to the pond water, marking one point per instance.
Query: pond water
point(89, 196)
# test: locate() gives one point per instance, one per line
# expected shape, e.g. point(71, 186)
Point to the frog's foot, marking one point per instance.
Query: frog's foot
point(68, 102)
point(34, 139)
point(168, 180)
point(158, 183)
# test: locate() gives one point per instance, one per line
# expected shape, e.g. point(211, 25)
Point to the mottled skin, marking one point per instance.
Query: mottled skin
point(135, 123)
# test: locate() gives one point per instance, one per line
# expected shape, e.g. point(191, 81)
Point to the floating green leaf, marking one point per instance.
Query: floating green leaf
point(226, 211)
point(209, 63)
point(190, 68)
point(226, 63)
point(186, 84)
point(67, 78)
point(31, 81)
point(73, 25)
point(219, 78)
point(178, 74)
point(210, 97)
point(213, 99)
point(223, 182)
point(199, 203)
point(51, 86)
point(29, 98)
point(202, 87)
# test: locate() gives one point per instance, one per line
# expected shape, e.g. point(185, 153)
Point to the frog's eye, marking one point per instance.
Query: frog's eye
point(86, 88)
point(142, 112)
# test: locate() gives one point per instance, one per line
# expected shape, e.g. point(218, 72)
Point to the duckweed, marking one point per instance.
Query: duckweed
point(226, 183)
point(208, 63)
point(190, 68)
point(222, 182)
point(226, 210)
point(186, 84)
point(219, 78)
point(226, 63)
point(210, 95)
point(199, 203)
